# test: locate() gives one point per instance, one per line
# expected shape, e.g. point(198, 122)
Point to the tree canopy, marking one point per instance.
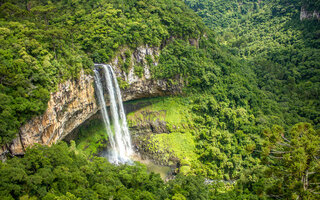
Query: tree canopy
point(46, 42)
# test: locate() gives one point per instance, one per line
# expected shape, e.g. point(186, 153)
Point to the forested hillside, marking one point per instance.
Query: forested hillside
point(61, 172)
point(282, 50)
point(46, 42)
point(245, 127)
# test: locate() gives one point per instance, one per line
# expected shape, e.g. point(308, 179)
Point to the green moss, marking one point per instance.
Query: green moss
point(180, 145)
point(120, 61)
point(127, 63)
point(138, 70)
point(122, 83)
point(149, 60)
point(169, 109)
point(92, 138)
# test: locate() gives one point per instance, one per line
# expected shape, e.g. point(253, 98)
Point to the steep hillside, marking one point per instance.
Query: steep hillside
point(44, 43)
point(247, 119)
point(282, 50)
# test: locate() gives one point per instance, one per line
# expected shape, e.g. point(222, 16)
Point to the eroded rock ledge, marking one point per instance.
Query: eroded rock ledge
point(74, 102)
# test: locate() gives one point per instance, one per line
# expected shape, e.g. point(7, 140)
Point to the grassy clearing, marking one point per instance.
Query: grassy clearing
point(169, 109)
point(180, 145)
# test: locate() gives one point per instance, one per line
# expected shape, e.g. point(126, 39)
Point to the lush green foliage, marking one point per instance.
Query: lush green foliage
point(30, 67)
point(91, 137)
point(231, 144)
point(45, 42)
point(293, 161)
point(281, 59)
point(217, 145)
point(61, 172)
point(271, 79)
point(251, 87)
point(282, 50)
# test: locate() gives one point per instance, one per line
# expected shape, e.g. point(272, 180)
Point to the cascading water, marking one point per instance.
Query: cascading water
point(104, 113)
point(124, 125)
point(123, 119)
point(119, 138)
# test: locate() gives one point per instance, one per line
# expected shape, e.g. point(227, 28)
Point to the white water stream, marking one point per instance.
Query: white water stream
point(118, 134)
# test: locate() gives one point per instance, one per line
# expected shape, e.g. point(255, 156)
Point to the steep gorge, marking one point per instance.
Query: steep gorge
point(74, 102)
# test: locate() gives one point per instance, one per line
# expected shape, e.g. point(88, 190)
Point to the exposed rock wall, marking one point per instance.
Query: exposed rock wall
point(74, 103)
point(305, 14)
point(145, 86)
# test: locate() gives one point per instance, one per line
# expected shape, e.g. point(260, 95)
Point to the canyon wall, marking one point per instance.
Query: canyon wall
point(74, 102)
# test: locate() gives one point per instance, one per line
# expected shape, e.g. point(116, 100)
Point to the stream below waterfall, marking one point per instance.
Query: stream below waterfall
point(106, 133)
point(165, 172)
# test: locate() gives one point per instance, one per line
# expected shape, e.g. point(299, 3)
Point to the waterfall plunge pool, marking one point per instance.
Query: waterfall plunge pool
point(166, 172)
point(108, 134)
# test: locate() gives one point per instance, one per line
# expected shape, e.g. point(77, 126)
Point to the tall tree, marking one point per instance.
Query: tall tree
point(294, 161)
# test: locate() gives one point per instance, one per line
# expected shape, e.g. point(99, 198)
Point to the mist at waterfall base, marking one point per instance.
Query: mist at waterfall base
point(118, 134)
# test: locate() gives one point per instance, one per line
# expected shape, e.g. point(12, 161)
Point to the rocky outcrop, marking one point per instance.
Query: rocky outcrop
point(68, 107)
point(307, 14)
point(74, 102)
point(145, 86)
point(143, 126)
point(157, 126)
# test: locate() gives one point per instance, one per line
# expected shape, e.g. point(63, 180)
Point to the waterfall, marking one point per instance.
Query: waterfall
point(119, 136)
point(124, 125)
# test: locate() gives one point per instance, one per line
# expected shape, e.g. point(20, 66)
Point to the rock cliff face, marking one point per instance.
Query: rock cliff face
point(305, 14)
point(74, 102)
point(144, 86)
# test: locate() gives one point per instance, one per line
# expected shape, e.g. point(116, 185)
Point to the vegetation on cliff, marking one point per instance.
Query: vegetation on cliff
point(248, 120)
point(45, 42)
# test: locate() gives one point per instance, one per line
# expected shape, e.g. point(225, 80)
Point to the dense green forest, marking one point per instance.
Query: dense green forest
point(61, 172)
point(281, 50)
point(46, 42)
point(249, 113)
